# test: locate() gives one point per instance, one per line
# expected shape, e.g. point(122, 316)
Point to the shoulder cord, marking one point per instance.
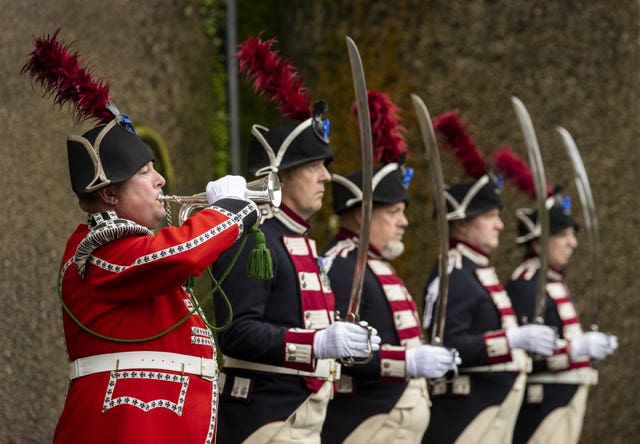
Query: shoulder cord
point(197, 305)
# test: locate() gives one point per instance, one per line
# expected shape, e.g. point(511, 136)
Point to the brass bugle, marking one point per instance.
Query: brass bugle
point(263, 190)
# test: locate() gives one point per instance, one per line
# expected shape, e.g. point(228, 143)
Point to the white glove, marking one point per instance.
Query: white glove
point(227, 186)
point(342, 339)
point(594, 344)
point(534, 338)
point(430, 361)
point(613, 343)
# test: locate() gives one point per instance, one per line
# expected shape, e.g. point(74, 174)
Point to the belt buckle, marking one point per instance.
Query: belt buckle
point(210, 376)
point(461, 385)
point(535, 393)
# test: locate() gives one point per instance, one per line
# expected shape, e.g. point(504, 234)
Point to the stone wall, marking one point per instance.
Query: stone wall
point(158, 62)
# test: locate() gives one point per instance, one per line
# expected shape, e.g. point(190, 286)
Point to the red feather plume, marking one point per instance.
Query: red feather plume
point(62, 75)
point(456, 139)
point(518, 171)
point(387, 133)
point(274, 79)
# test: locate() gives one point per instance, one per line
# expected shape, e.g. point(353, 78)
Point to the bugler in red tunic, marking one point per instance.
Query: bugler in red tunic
point(166, 390)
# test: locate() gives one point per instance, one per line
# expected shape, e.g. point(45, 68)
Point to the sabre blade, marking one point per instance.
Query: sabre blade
point(437, 180)
point(590, 220)
point(366, 146)
point(540, 181)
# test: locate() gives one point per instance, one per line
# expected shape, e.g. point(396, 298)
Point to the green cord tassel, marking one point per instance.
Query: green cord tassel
point(260, 265)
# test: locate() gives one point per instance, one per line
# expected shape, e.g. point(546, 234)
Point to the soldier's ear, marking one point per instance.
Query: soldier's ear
point(358, 217)
point(457, 227)
point(282, 177)
point(535, 246)
point(108, 195)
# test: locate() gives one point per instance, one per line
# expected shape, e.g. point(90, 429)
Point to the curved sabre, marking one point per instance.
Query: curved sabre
point(540, 181)
point(590, 220)
point(366, 145)
point(437, 181)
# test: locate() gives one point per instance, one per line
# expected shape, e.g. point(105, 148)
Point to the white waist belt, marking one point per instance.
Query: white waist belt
point(176, 362)
point(585, 375)
point(327, 369)
point(520, 362)
point(502, 367)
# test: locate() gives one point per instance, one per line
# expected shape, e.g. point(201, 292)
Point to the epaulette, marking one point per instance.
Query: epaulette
point(104, 228)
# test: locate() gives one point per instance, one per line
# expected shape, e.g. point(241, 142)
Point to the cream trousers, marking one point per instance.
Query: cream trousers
point(302, 426)
point(404, 424)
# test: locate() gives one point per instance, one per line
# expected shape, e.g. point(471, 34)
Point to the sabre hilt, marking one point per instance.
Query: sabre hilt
point(452, 374)
point(349, 361)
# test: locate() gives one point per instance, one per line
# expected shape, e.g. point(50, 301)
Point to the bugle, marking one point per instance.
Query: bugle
point(263, 190)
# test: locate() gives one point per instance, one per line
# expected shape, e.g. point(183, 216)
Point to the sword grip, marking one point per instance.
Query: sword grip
point(350, 361)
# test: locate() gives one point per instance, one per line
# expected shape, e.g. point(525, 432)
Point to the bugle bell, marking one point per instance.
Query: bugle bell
point(263, 190)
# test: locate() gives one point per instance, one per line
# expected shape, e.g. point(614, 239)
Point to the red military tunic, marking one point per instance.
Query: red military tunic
point(131, 288)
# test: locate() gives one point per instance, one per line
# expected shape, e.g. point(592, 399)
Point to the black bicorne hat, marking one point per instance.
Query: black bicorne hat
point(559, 207)
point(276, 81)
point(389, 185)
point(465, 200)
point(287, 146)
point(105, 155)
point(389, 181)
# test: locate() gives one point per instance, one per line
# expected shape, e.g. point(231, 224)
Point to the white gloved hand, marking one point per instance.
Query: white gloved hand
point(595, 344)
point(342, 339)
point(613, 343)
point(430, 361)
point(534, 338)
point(227, 186)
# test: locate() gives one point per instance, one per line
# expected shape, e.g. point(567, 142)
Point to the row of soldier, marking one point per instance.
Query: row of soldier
point(142, 355)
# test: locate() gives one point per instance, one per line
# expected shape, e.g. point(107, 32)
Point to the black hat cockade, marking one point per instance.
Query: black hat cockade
point(111, 152)
point(557, 203)
point(391, 180)
point(276, 80)
point(467, 199)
